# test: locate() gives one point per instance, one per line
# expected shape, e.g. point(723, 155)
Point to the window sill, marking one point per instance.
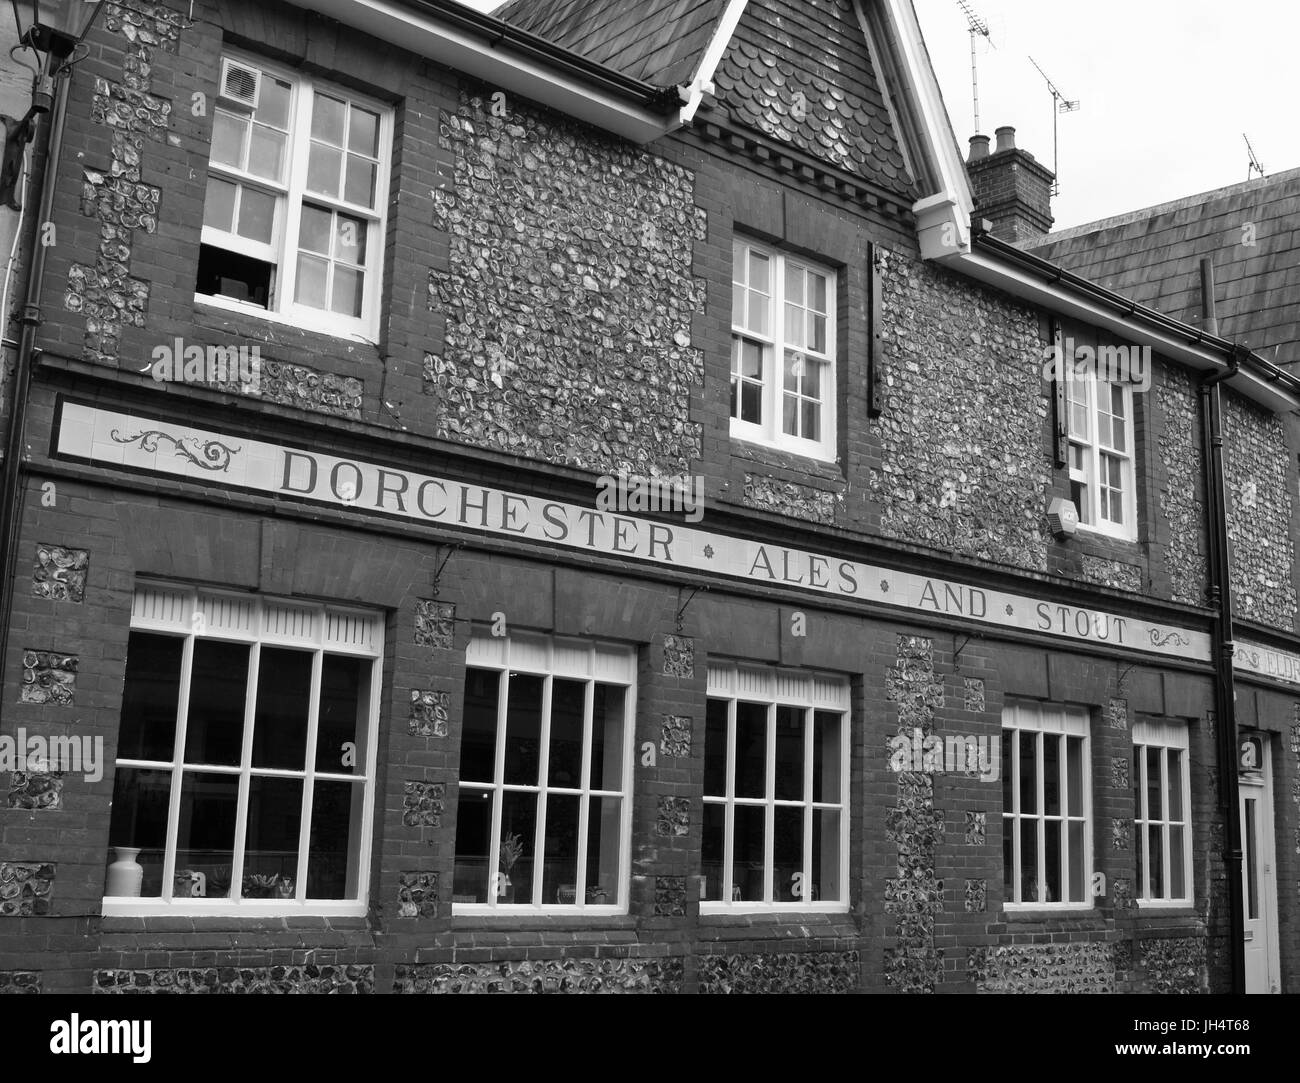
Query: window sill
point(819, 455)
point(534, 919)
point(255, 910)
point(719, 914)
point(323, 326)
point(1093, 533)
point(1155, 908)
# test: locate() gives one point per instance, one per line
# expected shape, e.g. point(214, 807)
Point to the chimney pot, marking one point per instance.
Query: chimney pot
point(979, 147)
point(1006, 138)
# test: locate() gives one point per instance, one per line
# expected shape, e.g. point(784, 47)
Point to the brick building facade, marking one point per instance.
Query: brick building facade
point(392, 702)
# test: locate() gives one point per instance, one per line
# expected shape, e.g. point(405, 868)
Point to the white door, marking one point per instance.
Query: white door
point(1258, 876)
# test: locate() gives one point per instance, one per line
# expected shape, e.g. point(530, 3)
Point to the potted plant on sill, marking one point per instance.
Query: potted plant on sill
point(512, 849)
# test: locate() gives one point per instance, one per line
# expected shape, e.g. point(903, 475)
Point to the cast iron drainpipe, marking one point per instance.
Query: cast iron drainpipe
point(1225, 691)
point(11, 490)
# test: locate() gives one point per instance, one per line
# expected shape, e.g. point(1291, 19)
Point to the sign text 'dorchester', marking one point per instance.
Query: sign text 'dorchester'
point(111, 438)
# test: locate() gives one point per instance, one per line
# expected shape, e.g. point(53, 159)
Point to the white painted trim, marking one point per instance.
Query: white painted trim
point(702, 84)
point(506, 69)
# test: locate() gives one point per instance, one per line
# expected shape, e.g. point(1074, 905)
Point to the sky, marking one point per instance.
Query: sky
point(1166, 90)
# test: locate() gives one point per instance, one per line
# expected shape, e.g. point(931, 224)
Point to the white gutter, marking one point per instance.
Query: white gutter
point(503, 68)
point(702, 84)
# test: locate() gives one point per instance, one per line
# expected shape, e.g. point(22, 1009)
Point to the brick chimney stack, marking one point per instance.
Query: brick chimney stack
point(1010, 187)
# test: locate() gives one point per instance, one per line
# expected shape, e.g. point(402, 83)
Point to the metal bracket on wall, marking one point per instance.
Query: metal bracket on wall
point(437, 575)
point(1119, 683)
point(681, 610)
point(956, 650)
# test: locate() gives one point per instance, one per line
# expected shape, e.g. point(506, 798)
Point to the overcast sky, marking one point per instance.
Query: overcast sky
point(1167, 87)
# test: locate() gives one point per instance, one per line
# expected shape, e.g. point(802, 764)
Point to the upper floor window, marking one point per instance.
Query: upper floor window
point(1102, 483)
point(1046, 806)
point(776, 790)
point(544, 812)
point(1162, 812)
point(245, 756)
point(782, 351)
point(293, 223)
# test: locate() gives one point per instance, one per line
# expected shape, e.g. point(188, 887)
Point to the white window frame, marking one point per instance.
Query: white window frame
point(1082, 390)
point(1163, 739)
point(809, 691)
point(258, 621)
point(593, 662)
point(282, 252)
point(771, 433)
point(1063, 721)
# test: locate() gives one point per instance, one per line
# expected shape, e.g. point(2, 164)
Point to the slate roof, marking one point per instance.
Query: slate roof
point(660, 42)
point(1153, 256)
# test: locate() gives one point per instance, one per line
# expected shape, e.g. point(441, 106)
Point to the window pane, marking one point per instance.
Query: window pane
point(789, 753)
point(1078, 861)
point(1155, 810)
point(787, 855)
point(826, 855)
point(817, 292)
point(1250, 869)
point(342, 732)
point(219, 206)
point(314, 230)
point(523, 729)
point(323, 167)
point(1079, 420)
point(327, 116)
point(795, 327)
point(560, 864)
point(1117, 401)
point(759, 265)
point(812, 378)
point(1008, 778)
point(271, 846)
point(608, 728)
point(1008, 857)
point(518, 831)
point(140, 802)
point(360, 186)
point(826, 756)
point(266, 152)
point(794, 367)
point(1177, 873)
point(333, 862)
point(283, 697)
point(1029, 883)
point(1139, 755)
point(751, 750)
point(473, 828)
point(205, 839)
point(817, 333)
point(309, 289)
point(568, 705)
point(790, 415)
point(228, 139)
point(1052, 860)
point(794, 276)
point(273, 103)
point(363, 134)
point(218, 687)
point(1074, 775)
point(812, 428)
point(751, 360)
point(479, 726)
point(604, 832)
point(1119, 436)
point(1175, 792)
point(758, 320)
point(1156, 872)
point(751, 403)
point(711, 854)
point(1028, 771)
point(715, 750)
point(256, 216)
point(350, 240)
point(348, 293)
point(150, 699)
point(1051, 774)
point(748, 854)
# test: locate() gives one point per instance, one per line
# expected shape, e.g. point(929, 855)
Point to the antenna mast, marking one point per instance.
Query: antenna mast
point(977, 28)
point(1254, 166)
point(1061, 104)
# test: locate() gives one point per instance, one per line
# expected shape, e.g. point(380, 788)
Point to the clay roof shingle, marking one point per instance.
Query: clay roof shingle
point(1250, 230)
point(660, 42)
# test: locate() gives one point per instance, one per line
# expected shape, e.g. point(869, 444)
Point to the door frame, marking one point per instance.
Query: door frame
point(1260, 785)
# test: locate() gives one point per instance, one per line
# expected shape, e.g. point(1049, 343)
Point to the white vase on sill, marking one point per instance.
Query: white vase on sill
point(126, 874)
